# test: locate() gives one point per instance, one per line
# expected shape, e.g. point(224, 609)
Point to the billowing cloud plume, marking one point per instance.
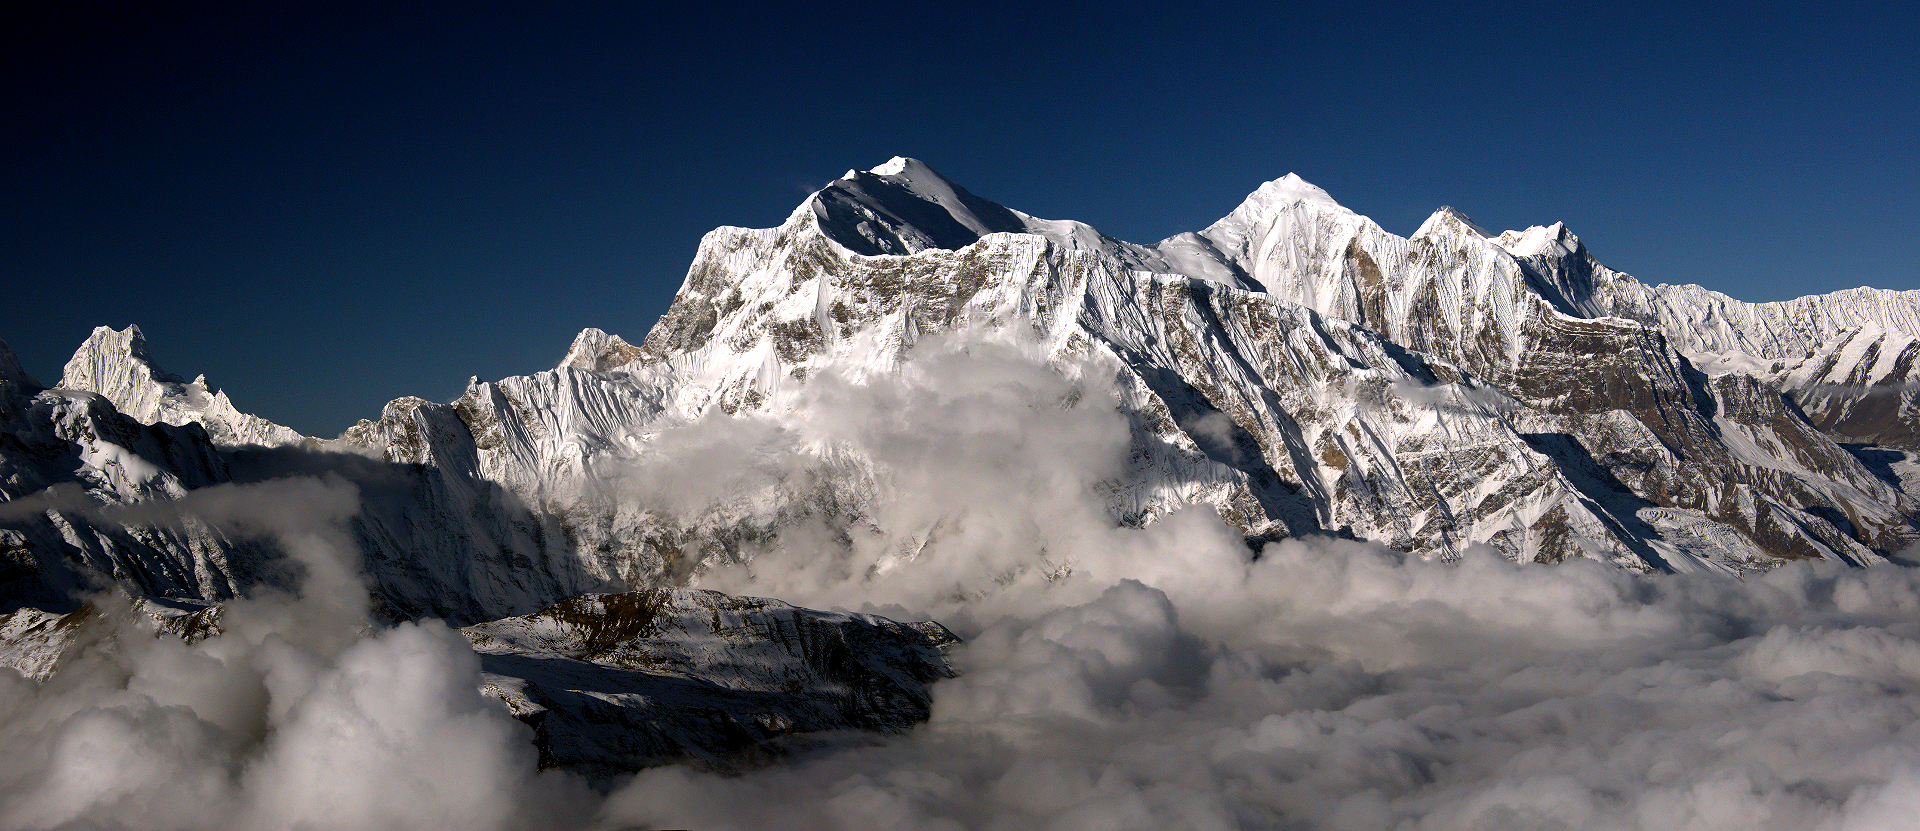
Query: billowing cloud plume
point(298, 715)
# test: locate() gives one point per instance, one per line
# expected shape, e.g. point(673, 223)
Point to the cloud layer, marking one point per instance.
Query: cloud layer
point(1342, 686)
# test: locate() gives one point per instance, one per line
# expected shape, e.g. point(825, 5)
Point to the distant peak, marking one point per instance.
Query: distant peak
point(116, 365)
point(900, 169)
point(1292, 188)
point(1279, 193)
point(11, 370)
point(895, 166)
point(596, 350)
point(913, 174)
point(106, 347)
point(1264, 203)
point(1552, 240)
point(1450, 221)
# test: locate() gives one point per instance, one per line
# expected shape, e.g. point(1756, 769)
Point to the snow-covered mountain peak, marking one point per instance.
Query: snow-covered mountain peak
point(1235, 231)
point(116, 365)
point(903, 207)
point(897, 166)
point(1552, 240)
point(1450, 221)
point(115, 359)
point(1287, 190)
point(597, 350)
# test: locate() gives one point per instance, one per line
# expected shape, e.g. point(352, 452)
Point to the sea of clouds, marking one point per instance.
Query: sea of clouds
point(1111, 678)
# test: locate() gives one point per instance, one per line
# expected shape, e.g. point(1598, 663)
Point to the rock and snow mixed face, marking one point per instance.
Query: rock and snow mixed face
point(1304, 371)
point(1121, 471)
point(1293, 367)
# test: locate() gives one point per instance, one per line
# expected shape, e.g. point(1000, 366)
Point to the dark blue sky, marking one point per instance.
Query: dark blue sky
point(328, 207)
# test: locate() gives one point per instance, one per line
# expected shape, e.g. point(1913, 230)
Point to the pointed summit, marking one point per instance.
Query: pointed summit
point(1235, 236)
point(113, 361)
point(1292, 187)
point(1287, 190)
point(597, 350)
point(1269, 199)
point(1450, 221)
point(898, 165)
point(905, 206)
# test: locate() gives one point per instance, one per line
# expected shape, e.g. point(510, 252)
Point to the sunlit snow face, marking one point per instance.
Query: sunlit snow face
point(1112, 678)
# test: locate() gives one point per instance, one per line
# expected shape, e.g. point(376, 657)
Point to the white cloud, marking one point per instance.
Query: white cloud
point(297, 716)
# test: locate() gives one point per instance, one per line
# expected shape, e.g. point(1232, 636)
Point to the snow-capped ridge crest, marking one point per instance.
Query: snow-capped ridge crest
point(112, 358)
point(1284, 192)
point(899, 165)
point(1236, 234)
point(902, 207)
point(905, 207)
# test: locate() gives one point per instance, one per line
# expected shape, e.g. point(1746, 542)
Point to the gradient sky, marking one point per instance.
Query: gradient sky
point(328, 206)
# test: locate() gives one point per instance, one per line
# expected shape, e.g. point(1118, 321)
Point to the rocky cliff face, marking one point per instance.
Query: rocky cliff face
point(610, 683)
point(615, 682)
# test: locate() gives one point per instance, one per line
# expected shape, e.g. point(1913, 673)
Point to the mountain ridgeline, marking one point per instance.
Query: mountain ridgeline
point(1294, 367)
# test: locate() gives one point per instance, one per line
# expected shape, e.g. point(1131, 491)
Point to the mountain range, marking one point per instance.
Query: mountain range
point(1293, 368)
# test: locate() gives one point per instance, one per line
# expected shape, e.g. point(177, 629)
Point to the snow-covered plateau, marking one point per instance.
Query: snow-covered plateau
point(914, 402)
